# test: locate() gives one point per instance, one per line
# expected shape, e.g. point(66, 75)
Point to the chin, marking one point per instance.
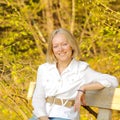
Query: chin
point(63, 60)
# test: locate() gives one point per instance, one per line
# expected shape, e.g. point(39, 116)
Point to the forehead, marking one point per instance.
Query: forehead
point(59, 38)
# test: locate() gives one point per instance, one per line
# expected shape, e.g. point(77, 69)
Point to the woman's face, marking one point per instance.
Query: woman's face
point(61, 48)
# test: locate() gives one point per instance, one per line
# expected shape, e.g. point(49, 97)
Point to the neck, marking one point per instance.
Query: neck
point(62, 65)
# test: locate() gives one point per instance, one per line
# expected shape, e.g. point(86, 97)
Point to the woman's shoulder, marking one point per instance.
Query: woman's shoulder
point(45, 66)
point(82, 64)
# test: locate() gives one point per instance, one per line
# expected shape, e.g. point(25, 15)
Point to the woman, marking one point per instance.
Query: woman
point(63, 80)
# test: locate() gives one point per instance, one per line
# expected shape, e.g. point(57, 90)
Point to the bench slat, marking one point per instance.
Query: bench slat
point(108, 98)
point(104, 114)
point(31, 90)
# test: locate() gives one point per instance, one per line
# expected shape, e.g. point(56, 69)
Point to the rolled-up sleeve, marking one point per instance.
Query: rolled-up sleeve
point(38, 100)
point(105, 79)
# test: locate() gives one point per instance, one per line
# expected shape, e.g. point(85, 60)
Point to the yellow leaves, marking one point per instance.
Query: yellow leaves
point(5, 111)
point(96, 28)
point(119, 45)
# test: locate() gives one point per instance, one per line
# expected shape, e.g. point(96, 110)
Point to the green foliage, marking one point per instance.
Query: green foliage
point(24, 30)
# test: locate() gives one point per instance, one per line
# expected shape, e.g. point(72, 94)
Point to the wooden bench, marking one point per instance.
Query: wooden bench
point(105, 100)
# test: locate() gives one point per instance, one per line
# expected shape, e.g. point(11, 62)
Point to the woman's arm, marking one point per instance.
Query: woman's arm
point(93, 80)
point(92, 76)
point(80, 98)
point(38, 100)
point(92, 86)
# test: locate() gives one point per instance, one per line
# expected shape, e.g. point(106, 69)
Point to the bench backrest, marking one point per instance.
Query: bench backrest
point(106, 100)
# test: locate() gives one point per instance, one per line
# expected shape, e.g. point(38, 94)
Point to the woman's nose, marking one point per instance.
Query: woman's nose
point(60, 48)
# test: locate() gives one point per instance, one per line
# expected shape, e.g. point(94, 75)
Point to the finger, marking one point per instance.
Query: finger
point(83, 100)
point(74, 107)
point(77, 107)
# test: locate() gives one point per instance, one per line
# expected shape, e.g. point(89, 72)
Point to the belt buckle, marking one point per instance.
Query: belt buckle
point(52, 100)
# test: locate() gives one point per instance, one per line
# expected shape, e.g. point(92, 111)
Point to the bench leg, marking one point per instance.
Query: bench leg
point(104, 114)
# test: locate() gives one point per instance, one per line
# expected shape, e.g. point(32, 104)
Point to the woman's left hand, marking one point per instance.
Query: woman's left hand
point(80, 100)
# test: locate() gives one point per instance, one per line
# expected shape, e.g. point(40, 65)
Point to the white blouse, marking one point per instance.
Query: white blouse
point(64, 86)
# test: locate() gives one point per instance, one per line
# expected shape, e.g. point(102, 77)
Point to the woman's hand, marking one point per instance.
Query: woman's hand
point(80, 100)
point(44, 118)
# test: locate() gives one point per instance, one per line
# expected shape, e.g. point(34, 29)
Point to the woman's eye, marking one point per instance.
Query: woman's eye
point(65, 44)
point(55, 46)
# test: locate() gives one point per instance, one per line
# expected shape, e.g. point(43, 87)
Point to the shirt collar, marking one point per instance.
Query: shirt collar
point(72, 65)
point(77, 65)
point(53, 65)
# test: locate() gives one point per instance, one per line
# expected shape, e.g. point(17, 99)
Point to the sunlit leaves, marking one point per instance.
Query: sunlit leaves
point(24, 29)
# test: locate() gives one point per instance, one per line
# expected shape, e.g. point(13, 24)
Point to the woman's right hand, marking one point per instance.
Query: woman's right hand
point(80, 100)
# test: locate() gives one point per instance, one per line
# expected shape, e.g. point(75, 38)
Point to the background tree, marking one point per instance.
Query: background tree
point(25, 26)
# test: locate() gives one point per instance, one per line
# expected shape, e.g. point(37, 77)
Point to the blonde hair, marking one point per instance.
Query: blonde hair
point(69, 37)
